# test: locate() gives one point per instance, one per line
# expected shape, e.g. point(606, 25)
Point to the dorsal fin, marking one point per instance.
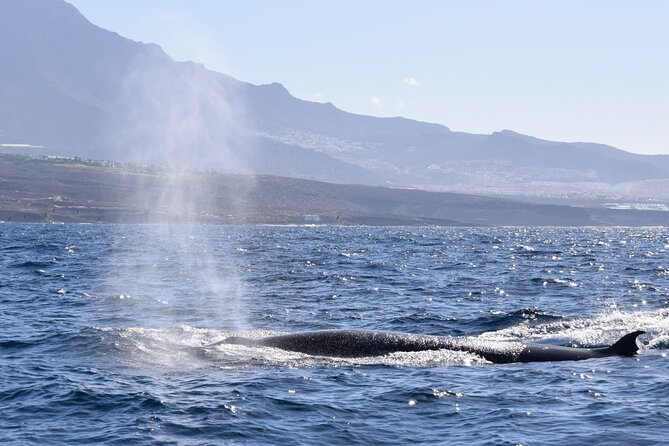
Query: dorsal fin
point(626, 346)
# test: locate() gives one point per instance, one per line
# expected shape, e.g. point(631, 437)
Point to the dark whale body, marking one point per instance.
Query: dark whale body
point(361, 343)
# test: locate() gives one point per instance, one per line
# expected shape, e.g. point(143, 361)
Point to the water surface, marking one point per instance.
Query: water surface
point(105, 329)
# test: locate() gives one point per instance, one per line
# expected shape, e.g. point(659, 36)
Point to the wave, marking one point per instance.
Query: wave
point(500, 320)
point(591, 332)
point(31, 264)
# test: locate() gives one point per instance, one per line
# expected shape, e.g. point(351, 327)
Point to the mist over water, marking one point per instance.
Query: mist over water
point(180, 124)
point(178, 115)
point(159, 266)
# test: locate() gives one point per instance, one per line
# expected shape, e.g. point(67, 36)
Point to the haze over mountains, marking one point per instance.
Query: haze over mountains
point(79, 90)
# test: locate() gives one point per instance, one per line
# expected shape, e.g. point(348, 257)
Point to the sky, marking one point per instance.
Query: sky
point(563, 70)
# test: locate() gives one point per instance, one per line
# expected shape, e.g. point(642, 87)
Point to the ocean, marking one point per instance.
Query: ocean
point(106, 331)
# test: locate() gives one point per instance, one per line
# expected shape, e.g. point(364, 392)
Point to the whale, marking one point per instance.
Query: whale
point(364, 343)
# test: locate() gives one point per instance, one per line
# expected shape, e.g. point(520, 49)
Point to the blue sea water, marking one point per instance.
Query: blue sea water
point(105, 332)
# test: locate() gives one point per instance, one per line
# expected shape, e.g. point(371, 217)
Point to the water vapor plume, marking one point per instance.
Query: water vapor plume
point(180, 128)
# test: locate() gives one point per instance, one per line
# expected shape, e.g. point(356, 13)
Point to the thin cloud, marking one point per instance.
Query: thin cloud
point(411, 82)
point(376, 101)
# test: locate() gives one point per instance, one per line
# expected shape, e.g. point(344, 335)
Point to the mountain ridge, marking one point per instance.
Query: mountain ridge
point(80, 90)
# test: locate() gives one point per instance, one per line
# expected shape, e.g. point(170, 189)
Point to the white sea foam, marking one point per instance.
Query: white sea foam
point(601, 330)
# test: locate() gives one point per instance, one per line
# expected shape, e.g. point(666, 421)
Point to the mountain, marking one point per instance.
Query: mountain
point(79, 90)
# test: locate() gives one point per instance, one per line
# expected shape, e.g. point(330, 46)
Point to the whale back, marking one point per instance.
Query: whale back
point(352, 343)
point(363, 343)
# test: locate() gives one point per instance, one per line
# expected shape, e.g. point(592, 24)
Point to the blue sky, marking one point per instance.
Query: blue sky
point(564, 70)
